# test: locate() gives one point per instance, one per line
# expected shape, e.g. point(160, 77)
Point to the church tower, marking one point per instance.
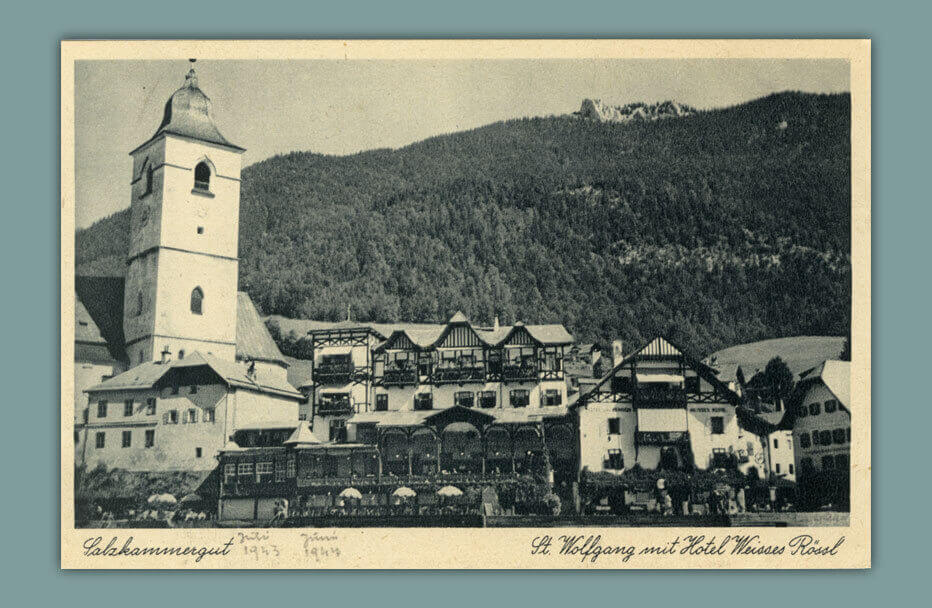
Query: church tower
point(181, 280)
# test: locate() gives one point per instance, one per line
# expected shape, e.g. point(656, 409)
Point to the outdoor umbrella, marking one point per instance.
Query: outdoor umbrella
point(405, 492)
point(351, 493)
point(449, 491)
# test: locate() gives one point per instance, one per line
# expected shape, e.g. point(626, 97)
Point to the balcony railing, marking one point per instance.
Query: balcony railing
point(334, 408)
point(400, 377)
point(513, 373)
point(341, 373)
point(659, 397)
point(458, 375)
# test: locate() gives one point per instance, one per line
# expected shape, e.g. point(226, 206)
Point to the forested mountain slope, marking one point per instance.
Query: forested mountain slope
point(722, 227)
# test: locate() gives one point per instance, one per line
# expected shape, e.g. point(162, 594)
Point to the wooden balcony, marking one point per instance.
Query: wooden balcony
point(458, 375)
point(519, 373)
point(334, 374)
point(335, 408)
point(400, 377)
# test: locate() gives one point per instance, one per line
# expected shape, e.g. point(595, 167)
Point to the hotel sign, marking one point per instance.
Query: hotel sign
point(660, 437)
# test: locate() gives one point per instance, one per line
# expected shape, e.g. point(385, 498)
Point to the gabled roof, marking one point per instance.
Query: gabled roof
point(253, 341)
point(424, 337)
point(664, 347)
point(834, 374)
point(303, 436)
point(147, 375)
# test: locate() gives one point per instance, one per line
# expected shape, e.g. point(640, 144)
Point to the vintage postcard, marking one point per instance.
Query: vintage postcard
point(537, 304)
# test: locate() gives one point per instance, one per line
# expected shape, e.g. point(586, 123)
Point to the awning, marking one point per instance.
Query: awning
point(665, 378)
point(661, 420)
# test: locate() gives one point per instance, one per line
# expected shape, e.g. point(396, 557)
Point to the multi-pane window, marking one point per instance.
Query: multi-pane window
point(99, 440)
point(101, 409)
point(487, 399)
point(718, 425)
point(464, 398)
point(209, 415)
point(802, 411)
point(128, 407)
point(150, 438)
point(830, 406)
point(825, 437)
point(127, 438)
point(614, 426)
point(263, 472)
point(615, 460)
point(381, 403)
point(814, 409)
point(244, 469)
point(815, 438)
point(552, 397)
point(190, 415)
point(290, 471)
point(150, 406)
point(170, 417)
point(519, 398)
point(827, 462)
point(229, 473)
point(804, 440)
point(424, 401)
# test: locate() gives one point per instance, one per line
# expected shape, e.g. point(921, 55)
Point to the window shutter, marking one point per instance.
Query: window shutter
point(165, 418)
point(193, 415)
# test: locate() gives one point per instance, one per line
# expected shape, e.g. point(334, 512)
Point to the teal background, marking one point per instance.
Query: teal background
point(30, 109)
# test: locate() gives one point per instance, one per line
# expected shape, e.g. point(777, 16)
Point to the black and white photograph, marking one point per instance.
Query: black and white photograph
point(317, 295)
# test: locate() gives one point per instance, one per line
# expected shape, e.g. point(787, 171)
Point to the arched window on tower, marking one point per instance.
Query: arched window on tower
point(197, 301)
point(202, 176)
point(148, 179)
point(139, 303)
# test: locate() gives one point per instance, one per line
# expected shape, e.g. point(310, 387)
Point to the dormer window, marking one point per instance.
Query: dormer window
point(197, 301)
point(202, 177)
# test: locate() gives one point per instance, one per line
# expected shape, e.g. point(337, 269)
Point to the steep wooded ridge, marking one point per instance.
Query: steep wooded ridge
point(721, 227)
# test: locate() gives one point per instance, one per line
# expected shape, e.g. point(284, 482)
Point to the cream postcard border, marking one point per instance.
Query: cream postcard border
point(450, 548)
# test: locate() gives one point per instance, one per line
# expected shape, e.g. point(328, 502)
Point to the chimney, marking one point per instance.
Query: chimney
point(166, 356)
point(617, 352)
point(495, 326)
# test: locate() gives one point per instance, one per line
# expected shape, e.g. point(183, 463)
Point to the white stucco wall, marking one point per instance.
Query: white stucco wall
point(839, 419)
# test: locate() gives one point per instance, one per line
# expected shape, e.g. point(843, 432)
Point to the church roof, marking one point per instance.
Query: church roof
point(99, 324)
point(187, 113)
point(253, 340)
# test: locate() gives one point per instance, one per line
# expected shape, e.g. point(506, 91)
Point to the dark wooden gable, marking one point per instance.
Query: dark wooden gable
point(519, 336)
point(460, 336)
point(399, 341)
